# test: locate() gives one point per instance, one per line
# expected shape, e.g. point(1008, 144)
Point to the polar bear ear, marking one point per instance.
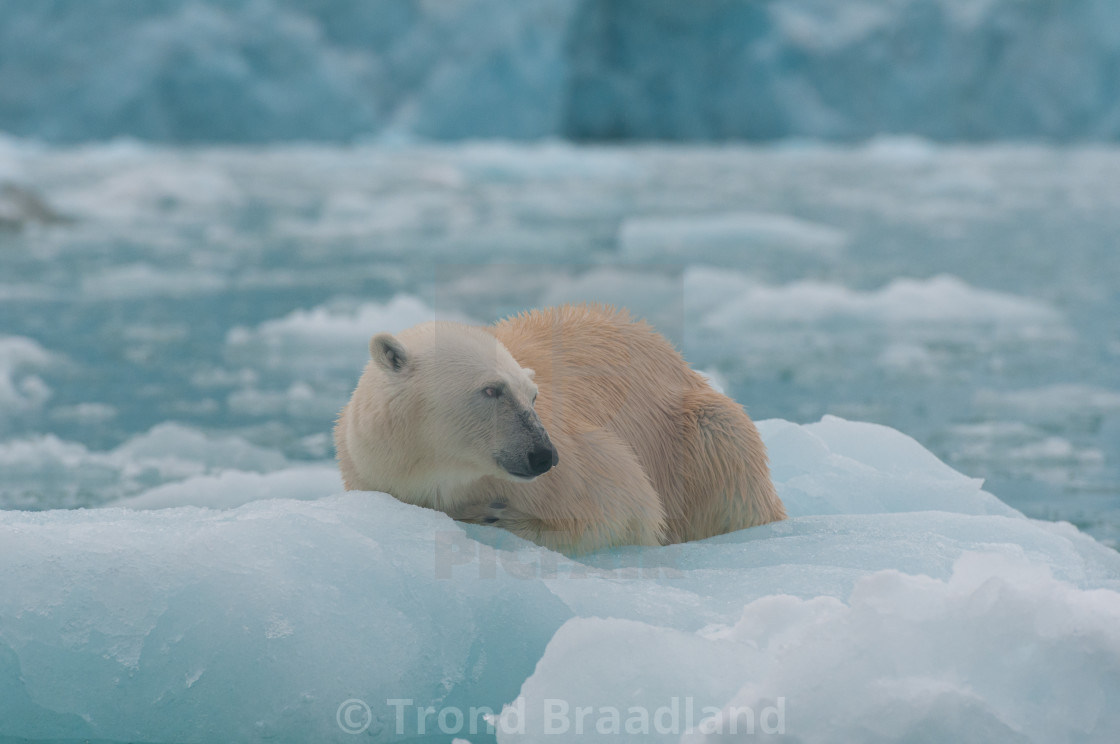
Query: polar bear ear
point(530, 373)
point(388, 352)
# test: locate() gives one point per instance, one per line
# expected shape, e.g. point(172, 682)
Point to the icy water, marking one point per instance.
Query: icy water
point(179, 312)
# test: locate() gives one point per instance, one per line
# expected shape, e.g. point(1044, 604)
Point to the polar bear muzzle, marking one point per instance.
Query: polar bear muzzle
point(535, 455)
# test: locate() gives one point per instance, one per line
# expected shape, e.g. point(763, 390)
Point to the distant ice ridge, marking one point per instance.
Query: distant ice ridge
point(207, 70)
point(898, 600)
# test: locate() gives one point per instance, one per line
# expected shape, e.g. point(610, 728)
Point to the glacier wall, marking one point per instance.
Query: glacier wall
point(338, 70)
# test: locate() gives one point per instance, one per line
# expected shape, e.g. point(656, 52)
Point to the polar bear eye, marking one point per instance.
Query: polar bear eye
point(492, 391)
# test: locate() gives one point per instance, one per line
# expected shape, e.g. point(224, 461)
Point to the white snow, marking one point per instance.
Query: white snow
point(898, 600)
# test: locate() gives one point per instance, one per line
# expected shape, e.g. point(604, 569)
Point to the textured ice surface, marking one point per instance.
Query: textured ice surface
point(999, 649)
point(898, 599)
point(230, 488)
point(209, 70)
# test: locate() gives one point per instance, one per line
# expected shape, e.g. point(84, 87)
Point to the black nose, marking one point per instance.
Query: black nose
point(542, 459)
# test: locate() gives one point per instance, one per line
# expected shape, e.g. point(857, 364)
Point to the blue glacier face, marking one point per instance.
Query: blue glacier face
point(268, 70)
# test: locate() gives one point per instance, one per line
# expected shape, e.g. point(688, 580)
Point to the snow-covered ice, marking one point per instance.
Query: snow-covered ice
point(898, 599)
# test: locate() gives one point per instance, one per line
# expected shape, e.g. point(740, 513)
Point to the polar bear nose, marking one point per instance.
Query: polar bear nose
point(542, 458)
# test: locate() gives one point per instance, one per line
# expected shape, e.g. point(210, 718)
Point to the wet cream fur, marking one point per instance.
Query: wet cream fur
point(648, 452)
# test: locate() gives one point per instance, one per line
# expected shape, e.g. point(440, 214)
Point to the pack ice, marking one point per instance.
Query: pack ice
point(900, 602)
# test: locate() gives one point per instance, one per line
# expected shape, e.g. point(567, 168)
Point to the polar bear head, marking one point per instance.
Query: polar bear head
point(462, 401)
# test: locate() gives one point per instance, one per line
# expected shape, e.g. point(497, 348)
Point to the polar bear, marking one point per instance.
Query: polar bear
point(575, 427)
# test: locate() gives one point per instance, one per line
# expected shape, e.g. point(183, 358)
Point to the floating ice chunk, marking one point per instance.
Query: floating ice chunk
point(654, 296)
point(148, 189)
point(707, 288)
point(20, 388)
point(12, 153)
point(489, 162)
point(298, 400)
point(901, 149)
point(47, 472)
point(313, 357)
point(724, 238)
point(1023, 449)
point(1053, 404)
point(902, 302)
point(86, 413)
point(233, 488)
point(715, 379)
point(144, 280)
point(909, 359)
point(172, 442)
point(725, 300)
point(328, 336)
point(820, 331)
